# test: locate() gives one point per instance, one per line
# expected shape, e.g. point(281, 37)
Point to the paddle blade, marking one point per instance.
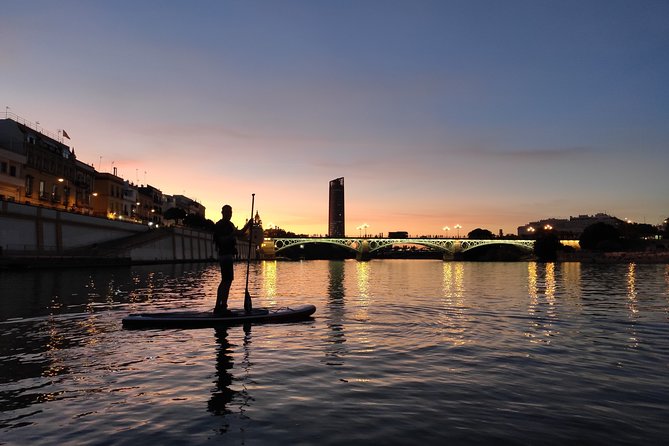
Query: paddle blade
point(248, 306)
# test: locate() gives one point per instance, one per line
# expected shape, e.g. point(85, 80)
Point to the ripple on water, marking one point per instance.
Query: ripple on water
point(398, 352)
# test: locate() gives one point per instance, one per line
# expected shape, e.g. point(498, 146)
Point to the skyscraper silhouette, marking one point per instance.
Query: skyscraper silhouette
point(336, 215)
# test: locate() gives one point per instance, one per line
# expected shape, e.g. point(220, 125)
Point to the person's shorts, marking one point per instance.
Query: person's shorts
point(227, 267)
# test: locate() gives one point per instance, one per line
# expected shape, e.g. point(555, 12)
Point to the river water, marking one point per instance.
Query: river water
point(398, 352)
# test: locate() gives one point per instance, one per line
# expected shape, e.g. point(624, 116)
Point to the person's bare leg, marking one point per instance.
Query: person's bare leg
point(222, 296)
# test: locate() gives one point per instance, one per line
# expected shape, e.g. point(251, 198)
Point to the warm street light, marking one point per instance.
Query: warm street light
point(548, 227)
point(361, 227)
point(458, 227)
point(446, 228)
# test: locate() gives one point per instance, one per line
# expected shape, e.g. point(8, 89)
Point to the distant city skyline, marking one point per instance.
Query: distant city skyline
point(482, 114)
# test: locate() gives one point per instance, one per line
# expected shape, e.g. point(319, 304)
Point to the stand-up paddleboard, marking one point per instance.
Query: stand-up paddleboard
point(203, 319)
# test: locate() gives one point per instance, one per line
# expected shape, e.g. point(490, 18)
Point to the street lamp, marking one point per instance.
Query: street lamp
point(361, 227)
point(548, 227)
point(66, 192)
point(458, 227)
point(446, 228)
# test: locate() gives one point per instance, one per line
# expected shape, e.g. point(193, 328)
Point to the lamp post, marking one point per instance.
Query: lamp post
point(458, 227)
point(66, 192)
point(446, 228)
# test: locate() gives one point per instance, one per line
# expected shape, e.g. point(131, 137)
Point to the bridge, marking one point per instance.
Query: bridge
point(363, 246)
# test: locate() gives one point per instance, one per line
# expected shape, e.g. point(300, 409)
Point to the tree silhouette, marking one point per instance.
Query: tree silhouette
point(480, 234)
point(547, 246)
point(599, 236)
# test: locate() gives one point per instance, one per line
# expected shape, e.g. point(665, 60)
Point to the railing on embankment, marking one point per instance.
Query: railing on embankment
point(36, 236)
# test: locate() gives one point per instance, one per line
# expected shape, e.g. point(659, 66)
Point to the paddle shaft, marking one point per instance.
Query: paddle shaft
point(248, 306)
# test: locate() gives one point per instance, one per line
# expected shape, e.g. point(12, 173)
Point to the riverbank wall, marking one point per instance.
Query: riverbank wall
point(33, 236)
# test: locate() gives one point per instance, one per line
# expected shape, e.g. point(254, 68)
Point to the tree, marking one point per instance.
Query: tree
point(198, 221)
point(175, 214)
point(635, 231)
point(480, 234)
point(547, 246)
point(600, 236)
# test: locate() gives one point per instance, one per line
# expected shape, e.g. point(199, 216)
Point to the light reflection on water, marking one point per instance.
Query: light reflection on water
point(399, 352)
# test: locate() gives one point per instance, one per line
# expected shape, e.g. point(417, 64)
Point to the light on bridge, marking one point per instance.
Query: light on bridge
point(361, 227)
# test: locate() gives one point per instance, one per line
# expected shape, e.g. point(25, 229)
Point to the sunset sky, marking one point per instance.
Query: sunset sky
point(486, 114)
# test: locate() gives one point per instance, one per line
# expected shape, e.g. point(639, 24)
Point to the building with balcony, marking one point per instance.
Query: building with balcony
point(12, 161)
point(108, 199)
point(36, 168)
point(150, 209)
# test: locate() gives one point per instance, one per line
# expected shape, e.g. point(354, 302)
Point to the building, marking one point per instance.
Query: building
point(36, 168)
point(150, 208)
point(12, 161)
point(84, 180)
point(188, 205)
point(108, 199)
point(566, 228)
point(336, 226)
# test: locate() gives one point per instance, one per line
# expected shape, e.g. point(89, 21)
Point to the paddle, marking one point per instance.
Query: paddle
point(248, 307)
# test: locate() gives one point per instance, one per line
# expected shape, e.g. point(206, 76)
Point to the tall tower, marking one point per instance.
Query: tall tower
point(336, 215)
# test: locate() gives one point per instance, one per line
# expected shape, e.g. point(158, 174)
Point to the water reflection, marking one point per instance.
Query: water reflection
point(269, 276)
point(335, 350)
point(363, 272)
point(571, 280)
point(666, 280)
point(452, 281)
point(542, 309)
point(223, 394)
point(632, 304)
point(453, 318)
point(631, 289)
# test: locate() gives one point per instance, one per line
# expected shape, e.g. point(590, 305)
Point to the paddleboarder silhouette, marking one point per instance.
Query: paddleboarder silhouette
point(225, 238)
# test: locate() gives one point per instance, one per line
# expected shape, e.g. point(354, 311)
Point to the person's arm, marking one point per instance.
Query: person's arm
point(245, 228)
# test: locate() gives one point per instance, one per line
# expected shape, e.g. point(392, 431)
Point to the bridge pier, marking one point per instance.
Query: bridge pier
point(363, 252)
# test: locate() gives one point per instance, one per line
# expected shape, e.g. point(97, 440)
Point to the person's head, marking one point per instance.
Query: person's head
point(226, 212)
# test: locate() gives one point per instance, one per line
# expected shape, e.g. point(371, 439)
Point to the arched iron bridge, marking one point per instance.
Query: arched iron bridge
point(369, 245)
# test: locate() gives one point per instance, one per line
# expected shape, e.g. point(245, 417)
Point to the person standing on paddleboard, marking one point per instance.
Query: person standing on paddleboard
point(225, 238)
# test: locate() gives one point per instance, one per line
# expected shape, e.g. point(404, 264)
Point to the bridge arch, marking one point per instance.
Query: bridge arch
point(366, 245)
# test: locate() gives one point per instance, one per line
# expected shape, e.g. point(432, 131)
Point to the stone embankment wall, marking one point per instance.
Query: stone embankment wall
point(32, 232)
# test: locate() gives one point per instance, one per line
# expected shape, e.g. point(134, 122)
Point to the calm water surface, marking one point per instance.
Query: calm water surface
point(399, 352)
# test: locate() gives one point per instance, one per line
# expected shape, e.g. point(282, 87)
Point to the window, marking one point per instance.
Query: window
point(12, 171)
point(3, 167)
point(29, 186)
point(42, 190)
